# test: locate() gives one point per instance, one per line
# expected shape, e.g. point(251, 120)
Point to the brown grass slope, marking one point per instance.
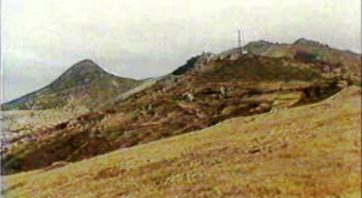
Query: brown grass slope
point(308, 151)
point(226, 88)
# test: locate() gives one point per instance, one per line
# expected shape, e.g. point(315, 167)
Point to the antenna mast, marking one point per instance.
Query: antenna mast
point(239, 39)
point(243, 38)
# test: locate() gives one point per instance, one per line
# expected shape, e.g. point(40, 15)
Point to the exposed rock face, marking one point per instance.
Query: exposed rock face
point(194, 64)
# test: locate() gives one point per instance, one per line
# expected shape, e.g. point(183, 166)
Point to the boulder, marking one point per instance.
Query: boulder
point(187, 108)
point(342, 84)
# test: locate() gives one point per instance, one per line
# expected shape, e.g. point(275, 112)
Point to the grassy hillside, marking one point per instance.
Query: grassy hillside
point(224, 89)
point(308, 151)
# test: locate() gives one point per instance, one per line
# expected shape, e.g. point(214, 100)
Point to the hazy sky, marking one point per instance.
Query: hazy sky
point(146, 38)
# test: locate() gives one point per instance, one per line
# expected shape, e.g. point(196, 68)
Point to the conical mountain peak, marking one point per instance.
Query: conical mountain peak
point(84, 81)
point(86, 64)
point(81, 73)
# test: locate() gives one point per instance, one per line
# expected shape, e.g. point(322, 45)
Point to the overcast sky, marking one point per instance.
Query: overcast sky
point(40, 39)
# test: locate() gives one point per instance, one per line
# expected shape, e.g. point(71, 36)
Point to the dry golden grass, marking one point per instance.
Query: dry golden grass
point(309, 151)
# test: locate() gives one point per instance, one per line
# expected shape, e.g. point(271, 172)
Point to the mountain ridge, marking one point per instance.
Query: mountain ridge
point(305, 50)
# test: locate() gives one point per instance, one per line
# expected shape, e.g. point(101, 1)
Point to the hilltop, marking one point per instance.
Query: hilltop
point(309, 51)
point(308, 151)
point(83, 84)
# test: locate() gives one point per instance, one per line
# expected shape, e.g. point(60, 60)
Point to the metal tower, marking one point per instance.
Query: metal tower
point(241, 41)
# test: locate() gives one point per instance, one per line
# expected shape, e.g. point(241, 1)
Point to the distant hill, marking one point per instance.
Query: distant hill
point(85, 84)
point(309, 51)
